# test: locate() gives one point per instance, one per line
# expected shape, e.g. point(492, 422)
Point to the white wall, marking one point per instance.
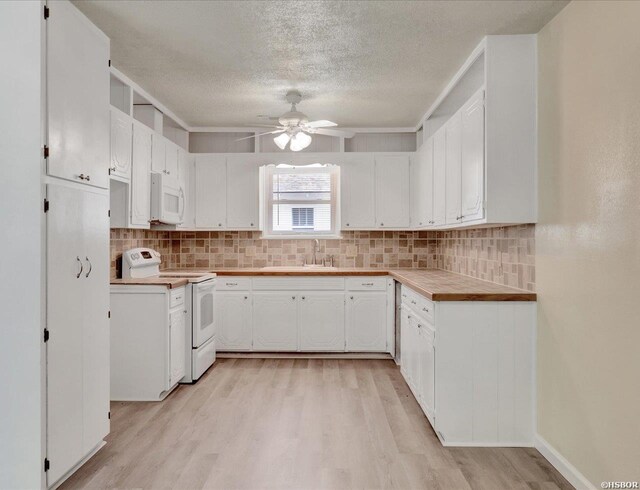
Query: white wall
point(20, 250)
point(588, 238)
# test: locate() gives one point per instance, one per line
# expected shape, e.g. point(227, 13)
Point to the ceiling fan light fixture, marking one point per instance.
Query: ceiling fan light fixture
point(282, 140)
point(300, 141)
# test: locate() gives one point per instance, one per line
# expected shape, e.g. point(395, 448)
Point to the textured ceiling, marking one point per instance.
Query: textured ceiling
point(358, 63)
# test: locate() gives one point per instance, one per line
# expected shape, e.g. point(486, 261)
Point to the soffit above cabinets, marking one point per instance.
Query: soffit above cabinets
point(360, 64)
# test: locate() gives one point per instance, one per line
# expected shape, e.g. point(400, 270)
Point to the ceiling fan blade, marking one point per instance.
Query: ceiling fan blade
point(260, 134)
point(323, 123)
point(263, 126)
point(335, 132)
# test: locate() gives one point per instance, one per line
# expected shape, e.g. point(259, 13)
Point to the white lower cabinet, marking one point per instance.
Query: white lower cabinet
point(366, 321)
point(470, 365)
point(77, 352)
point(233, 321)
point(275, 323)
point(147, 341)
point(309, 314)
point(321, 321)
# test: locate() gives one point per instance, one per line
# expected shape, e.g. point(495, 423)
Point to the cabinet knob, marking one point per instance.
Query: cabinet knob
point(293, 297)
point(303, 297)
point(250, 224)
point(219, 224)
point(420, 223)
point(381, 224)
point(425, 309)
point(351, 297)
point(246, 297)
point(347, 224)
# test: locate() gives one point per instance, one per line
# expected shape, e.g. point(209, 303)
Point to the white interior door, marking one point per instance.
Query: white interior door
point(472, 158)
point(242, 193)
point(95, 327)
point(393, 191)
point(366, 322)
point(78, 88)
point(65, 317)
point(439, 177)
point(141, 175)
point(321, 321)
point(121, 132)
point(275, 325)
point(453, 132)
point(211, 191)
point(357, 193)
point(233, 321)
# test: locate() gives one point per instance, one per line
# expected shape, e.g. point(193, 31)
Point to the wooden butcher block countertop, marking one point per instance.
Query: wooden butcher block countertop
point(170, 282)
point(437, 285)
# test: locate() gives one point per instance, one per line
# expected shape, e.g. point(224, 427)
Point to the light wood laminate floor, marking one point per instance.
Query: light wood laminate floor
point(298, 424)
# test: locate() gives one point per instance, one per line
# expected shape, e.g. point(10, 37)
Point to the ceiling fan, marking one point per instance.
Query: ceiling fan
point(294, 128)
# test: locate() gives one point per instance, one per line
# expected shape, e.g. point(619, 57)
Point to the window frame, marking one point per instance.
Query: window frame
point(267, 202)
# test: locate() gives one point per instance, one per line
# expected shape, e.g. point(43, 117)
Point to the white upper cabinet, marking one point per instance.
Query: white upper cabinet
point(121, 131)
point(439, 177)
point(392, 191)
point(242, 193)
point(321, 321)
point(171, 159)
point(78, 91)
point(357, 192)
point(211, 191)
point(141, 176)
point(422, 187)
point(453, 133)
point(158, 153)
point(472, 159)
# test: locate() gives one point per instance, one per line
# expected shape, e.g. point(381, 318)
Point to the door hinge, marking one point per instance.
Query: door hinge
point(46, 335)
point(46, 205)
point(45, 151)
point(47, 465)
point(46, 12)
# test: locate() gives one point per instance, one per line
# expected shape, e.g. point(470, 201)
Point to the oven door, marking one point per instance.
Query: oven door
point(203, 312)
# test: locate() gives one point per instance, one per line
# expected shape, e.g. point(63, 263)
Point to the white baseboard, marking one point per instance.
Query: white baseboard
point(561, 464)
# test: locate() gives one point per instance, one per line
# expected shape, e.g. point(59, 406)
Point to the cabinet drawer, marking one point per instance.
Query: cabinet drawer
point(367, 283)
point(318, 283)
point(177, 297)
point(418, 303)
point(231, 283)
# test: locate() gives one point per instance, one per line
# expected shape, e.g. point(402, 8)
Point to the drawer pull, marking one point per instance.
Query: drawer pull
point(413, 302)
point(231, 283)
point(177, 298)
point(367, 284)
point(425, 309)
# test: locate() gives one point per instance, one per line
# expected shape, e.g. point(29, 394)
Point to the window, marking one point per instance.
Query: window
point(302, 217)
point(300, 201)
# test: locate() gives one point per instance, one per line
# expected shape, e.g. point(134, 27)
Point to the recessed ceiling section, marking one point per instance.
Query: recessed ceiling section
point(360, 64)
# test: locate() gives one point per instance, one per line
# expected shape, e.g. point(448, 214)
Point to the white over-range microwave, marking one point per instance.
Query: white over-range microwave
point(167, 200)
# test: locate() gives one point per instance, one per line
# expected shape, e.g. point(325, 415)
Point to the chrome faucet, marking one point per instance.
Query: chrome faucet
point(316, 249)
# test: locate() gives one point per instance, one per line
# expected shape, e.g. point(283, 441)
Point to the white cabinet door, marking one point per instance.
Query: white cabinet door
point(141, 175)
point(427, 370)
point(211, 191)
point(242, 193)
point(65, 317)
point(95, 325)
point(158, 153)
point(357, 193)
point(366, 322)
point(177, 346)
point(275, 325)
point(406, 347)
point(121, 132)
point(183, 167)
point(453, 134)
point(439, 177)
point(321, 321)
point(171, 159)
point(78, 90)
point(233, 321)
point(472, 159)
point(422, 186)
point(392, 191)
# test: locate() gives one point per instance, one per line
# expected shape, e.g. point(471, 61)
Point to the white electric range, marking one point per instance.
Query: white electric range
point(199, 302)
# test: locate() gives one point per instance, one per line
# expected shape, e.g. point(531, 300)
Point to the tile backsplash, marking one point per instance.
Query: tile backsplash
point(502, 255)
